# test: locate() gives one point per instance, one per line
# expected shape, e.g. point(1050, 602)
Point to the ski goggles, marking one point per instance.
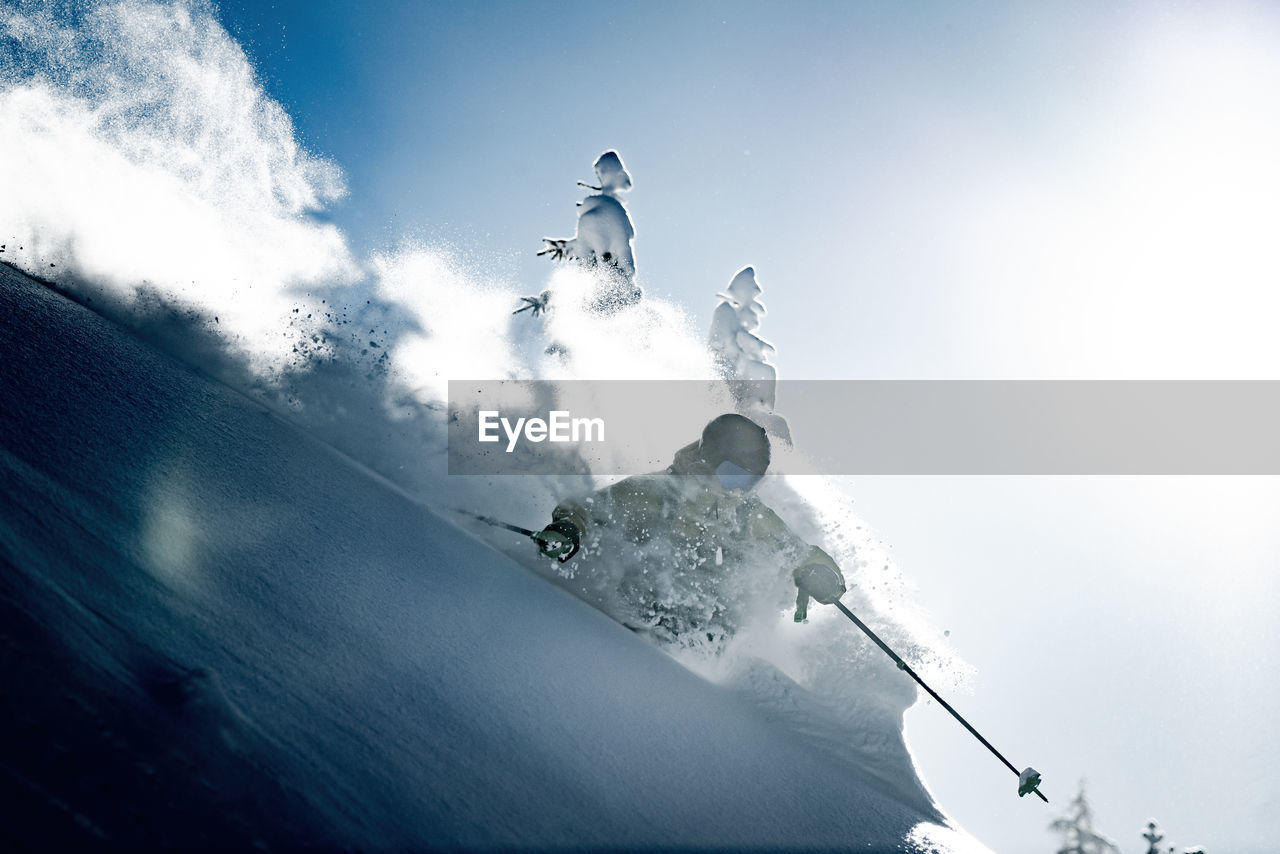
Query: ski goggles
point(733, 476)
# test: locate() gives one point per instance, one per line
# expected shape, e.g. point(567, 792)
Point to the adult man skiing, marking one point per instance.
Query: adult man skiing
point(688, 553)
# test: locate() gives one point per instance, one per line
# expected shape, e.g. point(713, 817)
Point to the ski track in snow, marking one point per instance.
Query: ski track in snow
point(221, 632)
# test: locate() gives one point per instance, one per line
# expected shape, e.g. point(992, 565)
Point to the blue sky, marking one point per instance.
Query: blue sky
point(810, 143)
point(926, 190)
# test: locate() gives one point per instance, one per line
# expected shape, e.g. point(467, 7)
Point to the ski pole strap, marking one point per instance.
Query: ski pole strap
point(902, 665)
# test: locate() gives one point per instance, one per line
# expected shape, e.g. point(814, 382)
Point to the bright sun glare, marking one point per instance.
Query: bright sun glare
point(1144, 243)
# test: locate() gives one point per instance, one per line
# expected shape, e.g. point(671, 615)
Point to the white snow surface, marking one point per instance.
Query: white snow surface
point(281, 647)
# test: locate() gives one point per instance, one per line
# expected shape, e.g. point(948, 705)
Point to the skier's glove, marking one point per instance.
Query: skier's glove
point(558, 540)
point(819, 581)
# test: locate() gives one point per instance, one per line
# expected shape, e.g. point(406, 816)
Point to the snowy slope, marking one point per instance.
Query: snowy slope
point(219, 631)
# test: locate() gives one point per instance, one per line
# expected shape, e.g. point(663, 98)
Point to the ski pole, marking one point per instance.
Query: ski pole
point(524, 532)
point(1028, 780)
point(497, 523)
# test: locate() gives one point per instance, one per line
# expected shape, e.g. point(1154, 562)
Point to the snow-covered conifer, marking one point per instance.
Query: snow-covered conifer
point(742, 355)
point(1153, 835)
point(604, 235)
point(1076, 827)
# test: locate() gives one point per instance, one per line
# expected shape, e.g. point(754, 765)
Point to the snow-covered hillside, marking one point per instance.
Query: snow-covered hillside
point(219, 631)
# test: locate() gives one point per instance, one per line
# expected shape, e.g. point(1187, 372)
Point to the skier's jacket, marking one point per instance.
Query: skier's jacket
point(681, 557)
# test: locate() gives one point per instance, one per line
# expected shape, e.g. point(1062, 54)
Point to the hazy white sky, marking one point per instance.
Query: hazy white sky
point(1123, 632)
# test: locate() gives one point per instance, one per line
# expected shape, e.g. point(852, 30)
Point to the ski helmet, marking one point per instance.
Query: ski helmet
point(736, 439)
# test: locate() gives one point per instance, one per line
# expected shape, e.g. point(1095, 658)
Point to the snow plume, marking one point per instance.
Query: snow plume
point(823, 680)
point(142, 155)
point(651, 339)
point(455, 322)
point(149, 175)
point(822, 511)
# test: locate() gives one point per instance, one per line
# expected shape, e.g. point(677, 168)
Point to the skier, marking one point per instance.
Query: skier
point(686, 553)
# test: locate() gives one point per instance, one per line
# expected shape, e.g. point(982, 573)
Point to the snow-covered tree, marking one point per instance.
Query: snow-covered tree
point(604, 235)
point(1153, 836)
point(742, 355)
point(1076, 827)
